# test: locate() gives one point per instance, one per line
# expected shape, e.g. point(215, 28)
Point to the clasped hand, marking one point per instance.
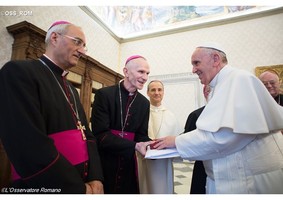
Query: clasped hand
point(94, 187)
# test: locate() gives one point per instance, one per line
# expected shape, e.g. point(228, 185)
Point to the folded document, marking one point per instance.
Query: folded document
point(162, 153)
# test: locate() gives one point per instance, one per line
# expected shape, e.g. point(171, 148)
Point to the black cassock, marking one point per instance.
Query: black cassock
point(118, 154)
point(33, 108)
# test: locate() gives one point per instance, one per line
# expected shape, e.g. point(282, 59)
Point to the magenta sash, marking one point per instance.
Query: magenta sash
point(70, 144)
point(15, 175)
point(127, 135)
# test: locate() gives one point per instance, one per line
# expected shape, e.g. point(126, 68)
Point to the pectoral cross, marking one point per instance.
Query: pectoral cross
point(122, 134)
point(82, 128)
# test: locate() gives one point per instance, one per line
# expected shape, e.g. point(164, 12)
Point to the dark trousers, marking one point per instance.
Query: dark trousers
point(198, 178)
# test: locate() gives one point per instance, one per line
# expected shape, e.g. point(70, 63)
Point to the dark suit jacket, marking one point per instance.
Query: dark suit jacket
point(199, 176)
point(192, 118)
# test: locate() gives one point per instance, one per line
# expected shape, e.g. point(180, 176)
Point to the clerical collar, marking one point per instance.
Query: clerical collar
point(125, 90)
point(54, 67)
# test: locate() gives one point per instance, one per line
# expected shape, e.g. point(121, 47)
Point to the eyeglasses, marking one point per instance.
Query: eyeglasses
point(77, 41)
point(272, 83)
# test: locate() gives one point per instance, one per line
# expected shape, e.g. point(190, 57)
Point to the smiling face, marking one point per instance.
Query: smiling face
point(206, 64)
point(271, 82)
point(136, 74)
point(64, 49)
point(155, 92)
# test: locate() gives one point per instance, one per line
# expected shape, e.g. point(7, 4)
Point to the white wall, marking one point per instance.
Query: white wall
point(249, 43)
point(101, 45)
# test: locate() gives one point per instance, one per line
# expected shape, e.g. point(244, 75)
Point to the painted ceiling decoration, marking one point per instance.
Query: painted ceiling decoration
point(134, 21)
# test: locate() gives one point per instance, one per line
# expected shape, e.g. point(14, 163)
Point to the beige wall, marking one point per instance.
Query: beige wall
point(249, 43)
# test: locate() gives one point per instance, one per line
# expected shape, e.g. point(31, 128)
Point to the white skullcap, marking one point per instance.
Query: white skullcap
point(213, 45)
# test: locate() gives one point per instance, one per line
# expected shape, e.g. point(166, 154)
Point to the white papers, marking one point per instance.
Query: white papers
point(162, 153)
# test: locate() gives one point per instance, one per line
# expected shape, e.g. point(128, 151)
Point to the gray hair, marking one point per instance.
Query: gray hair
point(61, 28)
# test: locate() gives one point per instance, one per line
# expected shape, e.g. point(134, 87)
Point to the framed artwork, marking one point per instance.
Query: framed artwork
point(276, 68)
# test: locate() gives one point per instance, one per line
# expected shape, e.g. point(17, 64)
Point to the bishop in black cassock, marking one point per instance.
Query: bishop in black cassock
point(33, 110)
point(118, 154)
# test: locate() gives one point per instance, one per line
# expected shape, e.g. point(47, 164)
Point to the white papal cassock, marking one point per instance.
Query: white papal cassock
point(238, 136)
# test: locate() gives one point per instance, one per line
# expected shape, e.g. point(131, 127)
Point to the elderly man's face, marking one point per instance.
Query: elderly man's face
point(271, 82)
point(69, 47)
point(204, 65)
point(137, 73)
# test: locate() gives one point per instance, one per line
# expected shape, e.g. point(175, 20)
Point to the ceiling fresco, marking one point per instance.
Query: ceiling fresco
point(127, 21)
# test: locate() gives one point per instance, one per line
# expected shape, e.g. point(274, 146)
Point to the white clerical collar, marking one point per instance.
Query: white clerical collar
point(64, 73)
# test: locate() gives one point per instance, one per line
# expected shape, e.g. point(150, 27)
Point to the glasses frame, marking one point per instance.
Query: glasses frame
point(272, 82)
point(77, 41)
